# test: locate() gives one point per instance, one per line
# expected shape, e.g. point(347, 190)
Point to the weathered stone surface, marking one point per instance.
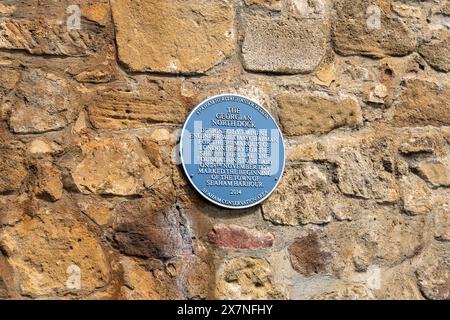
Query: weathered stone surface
point(301, 198)
point(310, 149)
point(115, 166)
point(434, 279)
point(436, 51)
point(95, 76)
point(352, 34)
point(195, 35)
point(378, 94)
point(415, 195)
point(327, 74)
point(149, 227)
point(142, 284)
point(96, 11)
point(198, 274)
point(364, 166)
point(96, 208)
point(435, 172)
point(3, 292)
point(302, 43)
point(313, 9)
point(48, 184)
point(7, 287)
point(42, 37)
point(375, 238)
point(446, 134)
point(7, 8)
point(12, 169)
point(306, 257)
point(398, 283)
point(13, 208)
point(367, 172)
point(90, 118)
point(39, 147)
point(381, 239)
point(82, 124)
point(422, 141)
point(308, 114)
point(236, 237)
point(41, 249)
point(119, 110)
point(422, 103)
point(441, 219)
point(346, 292)
point(272, 4)
point(246, 278)
point(406, 9)
point(42, 102)
point(8, 80)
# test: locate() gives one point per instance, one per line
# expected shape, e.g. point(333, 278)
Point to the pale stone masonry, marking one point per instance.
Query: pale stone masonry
point(90, 184)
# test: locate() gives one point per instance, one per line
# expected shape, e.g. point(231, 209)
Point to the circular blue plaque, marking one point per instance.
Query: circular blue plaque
point(232, 151)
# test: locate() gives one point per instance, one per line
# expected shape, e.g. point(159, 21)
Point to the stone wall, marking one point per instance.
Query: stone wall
point(93, 204)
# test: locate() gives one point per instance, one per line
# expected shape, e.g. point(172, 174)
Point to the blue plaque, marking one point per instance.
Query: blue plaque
point(232, 151)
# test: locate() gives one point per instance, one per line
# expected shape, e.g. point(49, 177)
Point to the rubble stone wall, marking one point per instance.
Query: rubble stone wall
point(94, 204)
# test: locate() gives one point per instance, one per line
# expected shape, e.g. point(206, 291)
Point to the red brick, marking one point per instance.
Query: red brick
point(237, 237)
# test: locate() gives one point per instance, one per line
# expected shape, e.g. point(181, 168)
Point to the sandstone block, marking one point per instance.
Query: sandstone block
point(356, 30)
point(142, 284)
point(13, 208)
point(40, 147)
point(302, 197)
point(375, 238)
point(422, 141)
point(398, 283)
point(415, 195)
point(422, 103)
point(436, 51)
point(191, 273)
point(42, 250)
point(12, 169)
point(96, 208)
point(114, 166)
point(48, 184)
point(246, 278)
point(42, 102)
point(174, 36)
point(310, 114)
point(8, 80)
point(198, 275)
point(435, 172)
point(434, 279)
point(441, 219)
point(42, 37)
point(368, 172)
point(283, 46)
point(97, 12)
point(121, 110)
point(327, 74)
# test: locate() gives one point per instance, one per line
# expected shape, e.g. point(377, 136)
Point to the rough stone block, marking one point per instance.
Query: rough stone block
point(283, 46)
point(423, 103)
point(173, 36)
point(357, 29)
point(315, 113)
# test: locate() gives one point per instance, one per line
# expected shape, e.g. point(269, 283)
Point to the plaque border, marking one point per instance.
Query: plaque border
point(187, 173)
